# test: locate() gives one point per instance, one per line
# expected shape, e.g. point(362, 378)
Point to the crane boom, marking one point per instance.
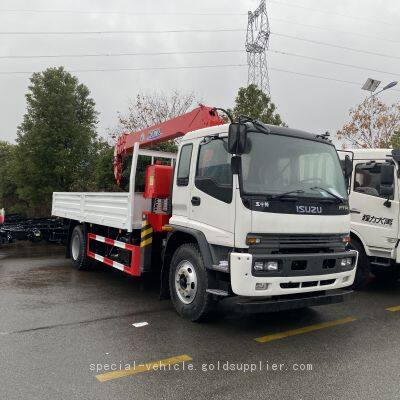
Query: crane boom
point(200, 117)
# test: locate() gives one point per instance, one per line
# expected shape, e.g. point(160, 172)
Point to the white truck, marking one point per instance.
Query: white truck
point(254, 211)
point(374, 208)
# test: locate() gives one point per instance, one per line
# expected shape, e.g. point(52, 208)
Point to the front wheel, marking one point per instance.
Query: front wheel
point(363, 274)
point(188, 283)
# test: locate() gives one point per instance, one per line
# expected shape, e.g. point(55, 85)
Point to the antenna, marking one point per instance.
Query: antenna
point(257, 42)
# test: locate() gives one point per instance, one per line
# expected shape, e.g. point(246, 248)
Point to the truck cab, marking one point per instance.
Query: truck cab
point(374, 208)
point(270, 224)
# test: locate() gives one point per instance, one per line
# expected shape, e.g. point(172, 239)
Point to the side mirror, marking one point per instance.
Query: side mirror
point(387, 174)
point(386, 188)
point(386, 191)
point(237, 138)
point(348, 167)
point(396, 155)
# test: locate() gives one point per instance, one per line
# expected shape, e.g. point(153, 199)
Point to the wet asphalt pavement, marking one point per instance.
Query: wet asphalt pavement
point(62, 330)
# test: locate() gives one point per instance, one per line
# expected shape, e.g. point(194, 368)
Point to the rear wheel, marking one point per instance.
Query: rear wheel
point(363, 274)
point(77, 249)
point(188, 283)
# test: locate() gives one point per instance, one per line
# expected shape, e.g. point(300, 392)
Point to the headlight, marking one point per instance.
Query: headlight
point(346, 262)
point(258, 266)
point(349, 261)
point(266, 266)
point(272, 266)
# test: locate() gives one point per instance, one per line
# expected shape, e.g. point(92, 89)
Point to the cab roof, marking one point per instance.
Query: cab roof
point(371, 154)
point(275, 130)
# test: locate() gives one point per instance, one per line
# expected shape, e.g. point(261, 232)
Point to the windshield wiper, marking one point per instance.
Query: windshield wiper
point(261, 128)
point(280, 196)
point(340, 199)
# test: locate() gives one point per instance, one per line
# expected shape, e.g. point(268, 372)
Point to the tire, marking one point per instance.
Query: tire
point(363, 274)
point(77, 249)
point(188, 283)
point(386, 276)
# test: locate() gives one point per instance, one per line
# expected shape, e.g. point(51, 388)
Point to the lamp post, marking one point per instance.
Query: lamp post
point(372, 84)
point(388, 86)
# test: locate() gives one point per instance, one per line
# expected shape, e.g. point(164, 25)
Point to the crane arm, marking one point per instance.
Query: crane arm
point(200, 117)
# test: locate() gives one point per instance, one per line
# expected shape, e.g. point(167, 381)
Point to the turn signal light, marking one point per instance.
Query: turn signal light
point(346, 239)
point(252, 240)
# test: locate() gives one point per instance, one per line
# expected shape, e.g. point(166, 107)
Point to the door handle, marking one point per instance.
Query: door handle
point(355, 211)
point(196, 201)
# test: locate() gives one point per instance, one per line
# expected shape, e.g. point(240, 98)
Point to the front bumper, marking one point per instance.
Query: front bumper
point(249, 305)
point(285, 282)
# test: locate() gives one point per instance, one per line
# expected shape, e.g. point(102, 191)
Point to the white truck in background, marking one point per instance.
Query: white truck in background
point(251, 210)
point(374, 207)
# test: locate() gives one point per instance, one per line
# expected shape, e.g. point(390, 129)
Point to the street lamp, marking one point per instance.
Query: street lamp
point(372, 84)
point(388, 86)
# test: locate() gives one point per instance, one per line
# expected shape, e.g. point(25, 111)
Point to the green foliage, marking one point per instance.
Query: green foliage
point(395, 140)
point(56, 143)
point(103, 179)
point(253, 102)
point(8, 189)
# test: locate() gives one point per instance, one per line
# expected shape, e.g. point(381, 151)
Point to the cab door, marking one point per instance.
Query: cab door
point(212, 204)
point(373, 217)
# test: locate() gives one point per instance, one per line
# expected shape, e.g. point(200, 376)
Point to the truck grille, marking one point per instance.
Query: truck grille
point(293, 243)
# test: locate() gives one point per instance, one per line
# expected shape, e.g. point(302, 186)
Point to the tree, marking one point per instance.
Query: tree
point(395, 140)
point(151, 109)
point(372, 124)
point(56, 142)
point(147, 110)
point(253, 102)
point(8, 188)
point(103, 179)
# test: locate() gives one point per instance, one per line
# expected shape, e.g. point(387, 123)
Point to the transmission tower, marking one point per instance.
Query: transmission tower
point(257, 41)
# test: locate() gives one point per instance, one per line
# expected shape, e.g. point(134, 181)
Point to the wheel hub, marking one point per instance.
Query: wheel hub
point(186, 282)
point(75, 247)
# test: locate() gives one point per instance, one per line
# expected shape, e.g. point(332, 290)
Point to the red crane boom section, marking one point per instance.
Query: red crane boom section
point(200, 117)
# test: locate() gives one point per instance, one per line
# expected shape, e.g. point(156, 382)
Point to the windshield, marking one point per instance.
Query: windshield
point(276, 164)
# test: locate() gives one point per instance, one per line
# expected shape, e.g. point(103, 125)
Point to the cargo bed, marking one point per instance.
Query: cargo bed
point(121, 210)
point(117, 210)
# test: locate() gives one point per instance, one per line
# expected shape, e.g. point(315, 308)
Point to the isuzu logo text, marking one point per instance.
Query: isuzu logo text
point(309, 210)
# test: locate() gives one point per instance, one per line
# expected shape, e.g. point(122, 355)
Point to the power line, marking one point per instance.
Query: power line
point(332, 13)
point(335, 45)
point(110, 12)
point(133, 69)
point(322, 77)
point(199, 31)
point(193, 67)
point(120, 32)
point(333, 62)
point(189, 52)
point(119, 54)
point(282, 52)
point(334, 30)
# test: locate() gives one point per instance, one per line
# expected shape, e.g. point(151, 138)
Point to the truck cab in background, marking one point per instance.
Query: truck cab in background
point(374, 207)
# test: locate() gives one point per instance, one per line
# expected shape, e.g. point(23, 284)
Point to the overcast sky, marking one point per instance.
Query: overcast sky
point(306, 103)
